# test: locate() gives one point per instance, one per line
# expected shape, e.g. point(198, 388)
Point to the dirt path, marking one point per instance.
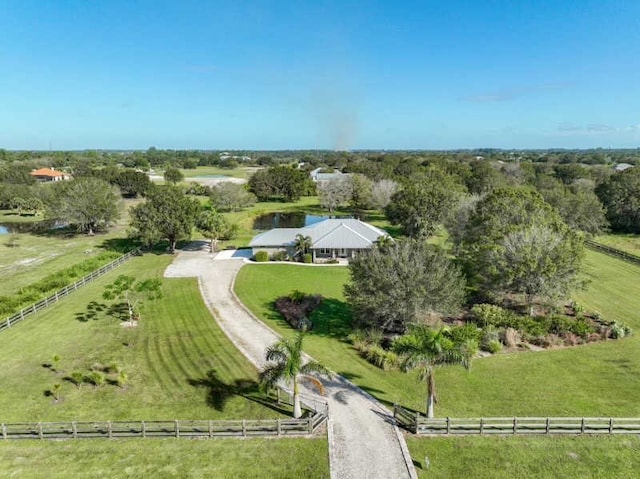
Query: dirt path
point(363, 439)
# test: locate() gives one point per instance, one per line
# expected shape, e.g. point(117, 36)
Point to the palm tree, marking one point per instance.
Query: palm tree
point(286, 364)
point(302, 244)
point(424, 348)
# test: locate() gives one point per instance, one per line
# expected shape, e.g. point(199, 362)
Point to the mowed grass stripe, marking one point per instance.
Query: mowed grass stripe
point(177, 340)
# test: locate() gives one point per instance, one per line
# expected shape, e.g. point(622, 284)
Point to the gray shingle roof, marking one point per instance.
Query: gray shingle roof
point(330, 233)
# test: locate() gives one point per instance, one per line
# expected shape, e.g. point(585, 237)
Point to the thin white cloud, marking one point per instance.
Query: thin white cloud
point(513, 93)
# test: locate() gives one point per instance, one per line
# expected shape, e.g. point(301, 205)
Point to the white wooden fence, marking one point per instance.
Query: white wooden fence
point(61, 293)
point(176, 428)
point(515, 425)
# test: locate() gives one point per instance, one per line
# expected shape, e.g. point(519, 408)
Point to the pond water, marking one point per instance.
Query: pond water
point(285, 220)
point(33, 227)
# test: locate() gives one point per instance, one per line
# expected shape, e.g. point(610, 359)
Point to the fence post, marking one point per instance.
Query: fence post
point(244, 428)
point(279, 428)
point(481, 425)
point(110, 429)
point(177, 428)
point(21, 314)
point(56, 295)
point(582, 426)
point(515, 424)
point(547, 428)
point(278, 394)
point(40, 435)
point(144, 429)
point(610, 425)
point(448, 425)
point(310, 420)
point(34, 308)
point(417, 423)
point(8, 323)
point(210, 428)
point(4, 431)
point(74, 428)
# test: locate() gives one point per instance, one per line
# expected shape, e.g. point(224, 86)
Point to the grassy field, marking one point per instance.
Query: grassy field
point(10, 216)
point(539, 457)
point(165, 458)
point(179, 363)
point(629, 243)
point(37, 255)
point(239, 172)
point(599, 379)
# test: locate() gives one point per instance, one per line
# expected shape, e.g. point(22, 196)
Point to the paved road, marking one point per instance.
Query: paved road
point(363, 439)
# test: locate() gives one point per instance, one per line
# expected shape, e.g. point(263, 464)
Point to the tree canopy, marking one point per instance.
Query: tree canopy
point(89, 203)
point(620, 195)
point(395, 285)
point(515, 242)
point(423, 203)
point(166, 214)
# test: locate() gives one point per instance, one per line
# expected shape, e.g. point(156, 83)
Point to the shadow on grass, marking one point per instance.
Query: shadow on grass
point(220, 392)
point(92, 312)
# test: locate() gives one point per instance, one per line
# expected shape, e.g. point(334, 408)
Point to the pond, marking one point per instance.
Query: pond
point(285, 220)
point(30, 227)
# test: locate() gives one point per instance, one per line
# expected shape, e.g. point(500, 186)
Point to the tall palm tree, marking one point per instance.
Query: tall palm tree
point(424, 348)
point(302, 244)
point(286, 364)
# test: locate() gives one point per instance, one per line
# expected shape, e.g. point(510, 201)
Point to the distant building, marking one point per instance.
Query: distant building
point(48, 174)
point(319, 177)
point(622, 166)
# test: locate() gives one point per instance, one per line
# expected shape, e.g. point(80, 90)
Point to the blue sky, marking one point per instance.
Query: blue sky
point(319, 74)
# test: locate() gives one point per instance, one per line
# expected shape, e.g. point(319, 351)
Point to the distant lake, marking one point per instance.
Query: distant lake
point(285, 220)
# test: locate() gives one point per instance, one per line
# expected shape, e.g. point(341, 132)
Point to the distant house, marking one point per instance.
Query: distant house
point(319, 177)
point(48, 174)
point(330, 239)
point(622, 166)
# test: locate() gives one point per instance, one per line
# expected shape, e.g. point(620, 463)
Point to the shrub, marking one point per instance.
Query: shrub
point(581, 327)
point(492, 315)
point(619, 330)
point(333, 261)
point(296, 308)
point(490, 335)
point(380, 357)
point(307, 258)
point(280, 256)
point(262, 256)
point(494, 346)
point(464, 333)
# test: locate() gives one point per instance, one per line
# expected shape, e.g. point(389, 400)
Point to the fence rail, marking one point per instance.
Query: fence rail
point(515, 425)
point(631, 258)
point(176, 428)
point(61, 293)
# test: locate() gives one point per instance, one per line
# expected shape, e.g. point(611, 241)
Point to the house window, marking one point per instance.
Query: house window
point(323, 252)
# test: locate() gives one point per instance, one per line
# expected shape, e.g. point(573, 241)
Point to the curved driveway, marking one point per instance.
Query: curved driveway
point(363, 439)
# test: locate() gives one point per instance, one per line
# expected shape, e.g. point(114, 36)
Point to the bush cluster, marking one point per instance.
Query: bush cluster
point(296, 308)
point(369, 345)
point(546, 331)
point(262, 256)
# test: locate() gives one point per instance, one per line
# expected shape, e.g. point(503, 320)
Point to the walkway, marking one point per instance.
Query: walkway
point(363, 439)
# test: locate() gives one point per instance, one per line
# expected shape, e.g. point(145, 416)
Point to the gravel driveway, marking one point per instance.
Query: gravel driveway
point(363, 439)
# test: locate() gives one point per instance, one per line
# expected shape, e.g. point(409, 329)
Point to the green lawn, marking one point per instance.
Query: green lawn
point(628, 242)
point(599, 379)
point(520, 456)
point(239, 172)
point(165, 458)
point(180, 364)
point(38, 255)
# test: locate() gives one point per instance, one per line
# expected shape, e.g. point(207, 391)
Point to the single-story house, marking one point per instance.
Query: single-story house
point(48, 174)
point(330, 239)
point(318, 177)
